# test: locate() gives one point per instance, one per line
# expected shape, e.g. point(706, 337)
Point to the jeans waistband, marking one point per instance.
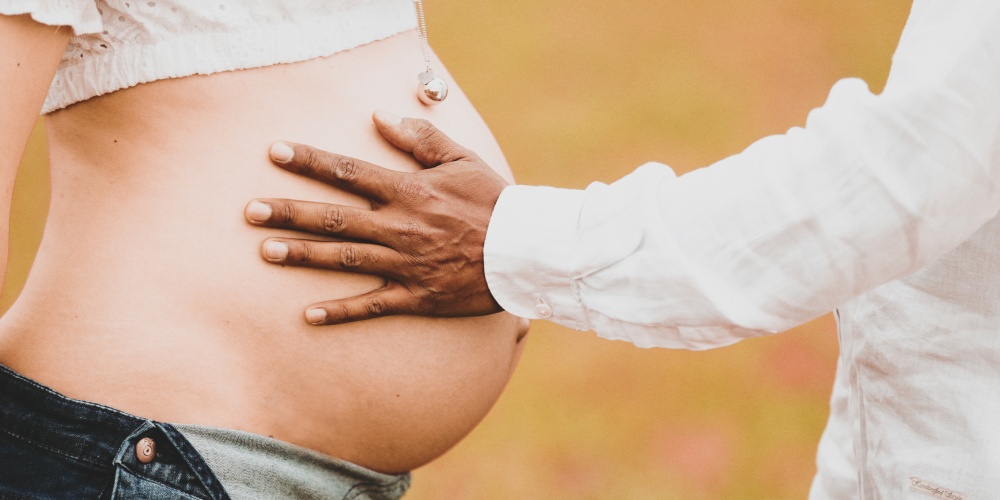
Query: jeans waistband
point(53, 446)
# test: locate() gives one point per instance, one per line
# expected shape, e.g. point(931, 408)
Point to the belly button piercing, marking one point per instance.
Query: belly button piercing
point(432, 89)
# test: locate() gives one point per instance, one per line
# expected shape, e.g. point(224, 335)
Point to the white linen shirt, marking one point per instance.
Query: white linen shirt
point(885, 205)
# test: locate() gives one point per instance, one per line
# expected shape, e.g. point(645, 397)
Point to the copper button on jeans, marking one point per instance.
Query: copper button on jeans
point(145, 450)
point(52, 446)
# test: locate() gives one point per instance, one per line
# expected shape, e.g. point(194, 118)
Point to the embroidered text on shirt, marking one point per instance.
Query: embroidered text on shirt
point(921, 486)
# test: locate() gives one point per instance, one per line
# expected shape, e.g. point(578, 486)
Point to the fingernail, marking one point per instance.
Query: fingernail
point(258, 212)
point(281, 152)
point(315, 315)
point(275, 251)
point(388, 118)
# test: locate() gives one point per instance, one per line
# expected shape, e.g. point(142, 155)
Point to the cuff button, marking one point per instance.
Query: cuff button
point(543, 310)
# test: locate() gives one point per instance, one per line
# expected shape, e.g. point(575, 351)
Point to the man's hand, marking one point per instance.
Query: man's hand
point(424, 233)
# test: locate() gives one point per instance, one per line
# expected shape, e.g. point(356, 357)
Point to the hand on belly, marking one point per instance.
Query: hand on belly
point(424, 234)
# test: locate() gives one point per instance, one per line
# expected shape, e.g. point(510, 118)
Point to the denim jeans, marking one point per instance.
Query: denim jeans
point(52, 446)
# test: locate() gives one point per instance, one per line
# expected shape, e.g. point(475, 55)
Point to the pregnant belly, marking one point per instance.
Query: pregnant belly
point(148, 293)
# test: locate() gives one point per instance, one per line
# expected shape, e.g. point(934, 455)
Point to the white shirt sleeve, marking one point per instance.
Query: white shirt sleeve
point(870, 190)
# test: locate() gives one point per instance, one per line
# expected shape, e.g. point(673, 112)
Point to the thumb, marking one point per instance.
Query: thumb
point(430, 146)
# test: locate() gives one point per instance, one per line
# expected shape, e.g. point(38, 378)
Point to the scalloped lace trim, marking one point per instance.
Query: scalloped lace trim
point(129, 42)
point(82, 16)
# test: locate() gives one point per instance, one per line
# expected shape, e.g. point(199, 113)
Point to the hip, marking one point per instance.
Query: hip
point(56, 447)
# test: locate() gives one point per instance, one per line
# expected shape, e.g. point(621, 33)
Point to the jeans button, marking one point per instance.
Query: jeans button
point(145, 450)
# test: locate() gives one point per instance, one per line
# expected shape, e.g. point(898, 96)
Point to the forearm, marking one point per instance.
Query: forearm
point(28, 61)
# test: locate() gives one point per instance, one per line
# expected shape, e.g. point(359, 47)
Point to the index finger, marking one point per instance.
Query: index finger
point(350, 174)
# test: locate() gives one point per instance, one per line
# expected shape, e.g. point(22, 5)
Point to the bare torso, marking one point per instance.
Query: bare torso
point(148, 293)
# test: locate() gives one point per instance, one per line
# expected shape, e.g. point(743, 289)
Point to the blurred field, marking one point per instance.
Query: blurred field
point(583, 90)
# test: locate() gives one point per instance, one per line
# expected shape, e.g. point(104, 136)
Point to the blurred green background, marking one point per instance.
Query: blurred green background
point(584, 90)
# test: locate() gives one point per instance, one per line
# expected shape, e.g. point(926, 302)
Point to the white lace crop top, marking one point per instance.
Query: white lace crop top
point(122, 43)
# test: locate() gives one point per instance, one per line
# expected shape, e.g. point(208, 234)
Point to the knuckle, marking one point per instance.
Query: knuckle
point(424, 129)
point(442, 148)
point(307, 158)
point(351, 256)
point(304, 253)
point(284, 213)
point(376, 307)
point(338, 313)
point(346, 169)
point(334, 220)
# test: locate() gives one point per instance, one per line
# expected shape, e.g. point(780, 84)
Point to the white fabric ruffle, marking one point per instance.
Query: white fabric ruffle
point(122, 43)
point(81, 15)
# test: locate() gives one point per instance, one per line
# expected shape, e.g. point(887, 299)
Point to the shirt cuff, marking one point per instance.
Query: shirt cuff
point(527, 254)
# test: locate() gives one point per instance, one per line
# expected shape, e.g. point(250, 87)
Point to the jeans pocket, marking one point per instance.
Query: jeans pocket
point(130, 486)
